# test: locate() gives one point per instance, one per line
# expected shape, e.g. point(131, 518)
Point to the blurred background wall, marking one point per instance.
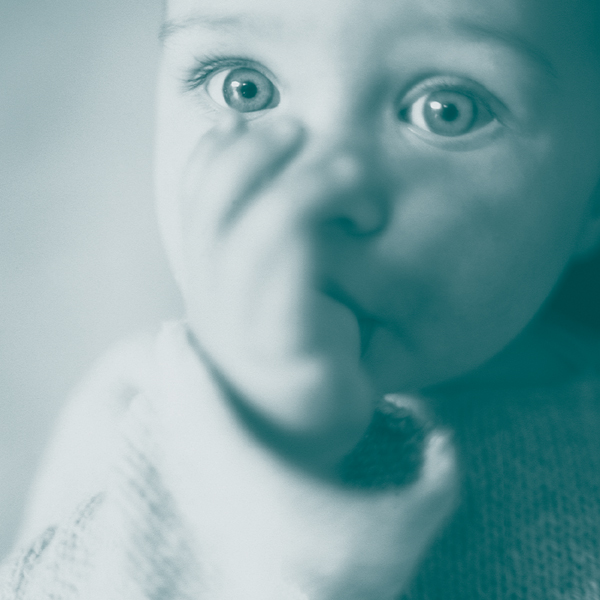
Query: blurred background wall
point(80, 260)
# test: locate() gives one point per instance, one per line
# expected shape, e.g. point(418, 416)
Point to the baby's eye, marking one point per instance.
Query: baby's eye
point(447, 112)
point(243, 89)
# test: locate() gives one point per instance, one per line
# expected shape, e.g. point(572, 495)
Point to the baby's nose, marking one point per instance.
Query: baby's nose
point(346, 194)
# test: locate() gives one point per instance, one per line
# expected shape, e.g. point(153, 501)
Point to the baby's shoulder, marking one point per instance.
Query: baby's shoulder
point(77, 459)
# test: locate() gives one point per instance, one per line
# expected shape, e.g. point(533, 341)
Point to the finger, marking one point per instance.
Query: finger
point(223, 176)
point(439, 469)
point(432, 498)
point(230, 165)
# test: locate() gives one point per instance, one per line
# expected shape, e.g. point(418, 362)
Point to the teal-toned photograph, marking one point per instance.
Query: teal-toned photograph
point(300, 300)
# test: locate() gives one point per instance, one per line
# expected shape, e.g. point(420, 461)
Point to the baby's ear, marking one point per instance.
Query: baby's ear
point(589, 236)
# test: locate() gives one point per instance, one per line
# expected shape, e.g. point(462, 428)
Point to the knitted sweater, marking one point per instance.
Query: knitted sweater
point(527, 528)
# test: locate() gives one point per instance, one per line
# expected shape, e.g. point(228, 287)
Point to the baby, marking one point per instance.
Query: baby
point(365, 206)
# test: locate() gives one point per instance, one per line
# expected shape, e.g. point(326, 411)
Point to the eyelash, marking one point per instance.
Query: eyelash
point(449, 83)
point(212, 64)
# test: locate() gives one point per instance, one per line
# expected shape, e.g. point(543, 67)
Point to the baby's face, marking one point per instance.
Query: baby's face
point(440, 184)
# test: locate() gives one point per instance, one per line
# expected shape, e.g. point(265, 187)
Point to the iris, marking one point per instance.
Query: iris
point(248, 90)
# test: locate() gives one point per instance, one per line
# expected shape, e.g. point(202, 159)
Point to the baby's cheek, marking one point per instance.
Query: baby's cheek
point(453, 267)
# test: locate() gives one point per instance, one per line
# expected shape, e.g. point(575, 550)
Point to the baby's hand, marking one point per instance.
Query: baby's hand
point(290, 352)
point(262, 529)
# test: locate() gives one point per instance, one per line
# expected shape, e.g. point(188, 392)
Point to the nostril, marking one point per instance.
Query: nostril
point(361, 216)
point(350, 193)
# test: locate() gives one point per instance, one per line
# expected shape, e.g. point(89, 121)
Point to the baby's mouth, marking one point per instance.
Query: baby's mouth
point(366, 327)
point(366, 322)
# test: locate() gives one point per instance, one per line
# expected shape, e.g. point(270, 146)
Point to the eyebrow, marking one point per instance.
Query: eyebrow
point(473, 29)
point(211, 22)
point(511, 40)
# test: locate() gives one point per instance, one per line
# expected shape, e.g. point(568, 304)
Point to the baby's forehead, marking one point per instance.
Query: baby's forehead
point(582, 16)
point(564, 33)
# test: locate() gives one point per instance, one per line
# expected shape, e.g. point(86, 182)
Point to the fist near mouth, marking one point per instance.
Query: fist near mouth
point(290, 352)
point(264, 528)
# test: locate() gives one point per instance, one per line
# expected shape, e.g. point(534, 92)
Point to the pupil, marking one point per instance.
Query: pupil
point(449, 112)
point(248, 89)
